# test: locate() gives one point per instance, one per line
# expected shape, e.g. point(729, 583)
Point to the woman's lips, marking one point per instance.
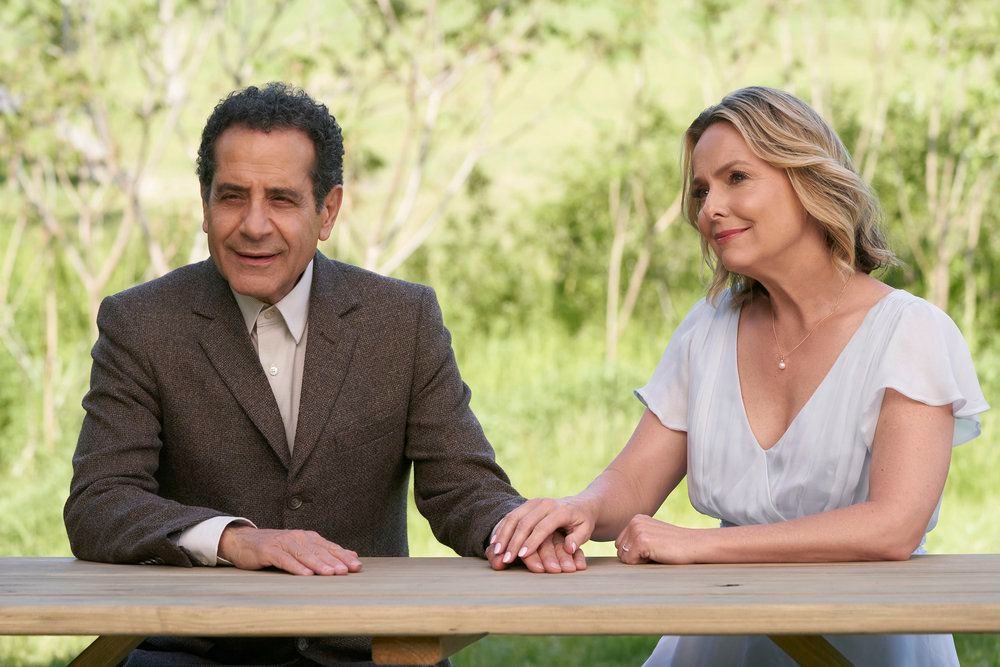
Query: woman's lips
point(729, 234)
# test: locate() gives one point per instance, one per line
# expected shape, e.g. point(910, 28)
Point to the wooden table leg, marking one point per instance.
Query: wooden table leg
point(418, 650)
point(811, 650)
point(106, 651)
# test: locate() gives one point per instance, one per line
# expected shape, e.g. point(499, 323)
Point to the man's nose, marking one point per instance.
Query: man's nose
point(257, 222)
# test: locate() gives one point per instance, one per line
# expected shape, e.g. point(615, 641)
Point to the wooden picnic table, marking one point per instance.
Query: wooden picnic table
point(420, 610)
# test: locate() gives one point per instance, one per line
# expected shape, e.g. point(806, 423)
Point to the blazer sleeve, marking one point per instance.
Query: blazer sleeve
point(113, 513)
point(459, 486)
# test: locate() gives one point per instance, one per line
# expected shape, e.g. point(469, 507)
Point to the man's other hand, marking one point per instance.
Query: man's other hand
point(551, 557)
point(297, 551)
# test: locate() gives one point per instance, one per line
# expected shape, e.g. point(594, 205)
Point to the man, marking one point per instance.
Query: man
point(263, 408)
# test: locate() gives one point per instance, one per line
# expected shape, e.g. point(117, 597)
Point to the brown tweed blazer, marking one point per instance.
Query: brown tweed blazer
point(181, 425)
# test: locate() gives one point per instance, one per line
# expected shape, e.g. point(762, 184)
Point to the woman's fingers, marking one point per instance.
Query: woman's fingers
point(505, 529)
point(632, 542)
point(511, 541)
point(559, 519)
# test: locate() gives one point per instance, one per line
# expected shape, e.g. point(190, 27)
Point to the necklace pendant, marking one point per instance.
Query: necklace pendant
point(781, 363)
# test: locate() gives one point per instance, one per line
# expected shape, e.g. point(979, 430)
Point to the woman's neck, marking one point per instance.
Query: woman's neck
point(800, 298)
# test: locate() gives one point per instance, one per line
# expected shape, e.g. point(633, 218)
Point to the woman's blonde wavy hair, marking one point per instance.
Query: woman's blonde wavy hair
point(788, 134)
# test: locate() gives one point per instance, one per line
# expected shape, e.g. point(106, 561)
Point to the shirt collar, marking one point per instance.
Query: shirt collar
point(294, 307)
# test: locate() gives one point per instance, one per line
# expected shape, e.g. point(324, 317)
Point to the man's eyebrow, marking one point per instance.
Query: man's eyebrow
point(230, 187)
point(289, 193)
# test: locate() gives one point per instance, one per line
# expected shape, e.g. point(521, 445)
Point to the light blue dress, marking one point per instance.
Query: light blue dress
point(821, 462)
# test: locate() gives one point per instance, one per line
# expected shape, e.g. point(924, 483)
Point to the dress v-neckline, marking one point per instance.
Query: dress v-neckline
point(830, 371)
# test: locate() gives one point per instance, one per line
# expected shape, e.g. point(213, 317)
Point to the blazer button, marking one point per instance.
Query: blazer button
point(302, 644)
point(294, 502)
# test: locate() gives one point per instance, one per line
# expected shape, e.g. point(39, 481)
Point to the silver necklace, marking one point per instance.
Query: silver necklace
point(782, 356)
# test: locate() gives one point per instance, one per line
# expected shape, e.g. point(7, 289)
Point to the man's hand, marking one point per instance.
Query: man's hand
point(296, 551)
point(551, 557)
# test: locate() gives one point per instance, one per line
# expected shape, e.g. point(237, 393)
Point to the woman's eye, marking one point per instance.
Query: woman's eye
point(699, 193)
point(737, 177)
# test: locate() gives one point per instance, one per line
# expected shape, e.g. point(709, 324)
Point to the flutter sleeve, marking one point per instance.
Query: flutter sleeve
point(666, 393)
point(926, 359)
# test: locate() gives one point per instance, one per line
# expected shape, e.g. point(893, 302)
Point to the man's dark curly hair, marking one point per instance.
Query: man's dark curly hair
point(281, 106)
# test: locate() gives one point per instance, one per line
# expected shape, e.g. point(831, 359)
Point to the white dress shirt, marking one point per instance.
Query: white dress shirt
point(278, 333)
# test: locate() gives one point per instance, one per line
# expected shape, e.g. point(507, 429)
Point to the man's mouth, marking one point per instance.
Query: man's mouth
point(255, 258)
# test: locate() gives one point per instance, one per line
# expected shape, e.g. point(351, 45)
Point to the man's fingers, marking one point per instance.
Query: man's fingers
point(346, 556)
point(565, 558)
point(534, 563)
point(285, 561)
point(547, 555)
point(315, 557)
point(580, 560)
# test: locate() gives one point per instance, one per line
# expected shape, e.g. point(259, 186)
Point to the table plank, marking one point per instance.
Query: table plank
point(453, 596)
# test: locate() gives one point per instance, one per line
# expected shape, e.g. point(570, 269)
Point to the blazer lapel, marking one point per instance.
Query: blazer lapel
point(227, 343)
point(328, 355)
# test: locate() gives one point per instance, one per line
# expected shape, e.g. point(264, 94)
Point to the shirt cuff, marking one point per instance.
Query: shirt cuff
point(201, 541)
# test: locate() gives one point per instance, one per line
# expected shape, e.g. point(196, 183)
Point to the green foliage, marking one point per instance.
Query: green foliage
point(490, 270)
point(643, 162)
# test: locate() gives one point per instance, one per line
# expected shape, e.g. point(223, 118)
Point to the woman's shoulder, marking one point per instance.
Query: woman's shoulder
point(911, 315)
point(706, 312)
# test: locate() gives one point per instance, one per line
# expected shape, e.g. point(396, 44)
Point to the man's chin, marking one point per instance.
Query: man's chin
point(246, 286)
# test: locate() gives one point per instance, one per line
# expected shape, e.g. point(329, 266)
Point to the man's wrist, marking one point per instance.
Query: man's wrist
point(227, 539)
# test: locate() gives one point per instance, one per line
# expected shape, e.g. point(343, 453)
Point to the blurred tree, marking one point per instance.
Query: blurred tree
point(939, 161)
point(81, 140)
point(612, 231)
point(437, 73)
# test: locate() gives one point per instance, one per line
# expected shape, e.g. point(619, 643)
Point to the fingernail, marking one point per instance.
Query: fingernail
point(355, 563)
point(507, 557)
point(497, 549)
point(572, 547)
point(493, 538)
point(522, 552)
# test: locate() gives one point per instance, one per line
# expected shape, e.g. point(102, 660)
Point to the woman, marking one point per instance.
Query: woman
point(812, 407)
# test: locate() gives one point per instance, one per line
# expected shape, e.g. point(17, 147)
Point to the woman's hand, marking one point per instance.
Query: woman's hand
point(521, 532)
point(646, 540)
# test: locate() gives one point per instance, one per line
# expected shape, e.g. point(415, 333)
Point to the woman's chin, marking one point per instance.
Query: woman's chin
point(733, 264)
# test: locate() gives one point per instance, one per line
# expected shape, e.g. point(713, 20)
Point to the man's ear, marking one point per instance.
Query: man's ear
point(204, 215)
point(330, 210)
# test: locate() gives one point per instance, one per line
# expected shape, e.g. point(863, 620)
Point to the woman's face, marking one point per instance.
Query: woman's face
point(747, 209)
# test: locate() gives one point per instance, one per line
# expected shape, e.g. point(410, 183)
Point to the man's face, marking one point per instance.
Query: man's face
point(260, 216)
